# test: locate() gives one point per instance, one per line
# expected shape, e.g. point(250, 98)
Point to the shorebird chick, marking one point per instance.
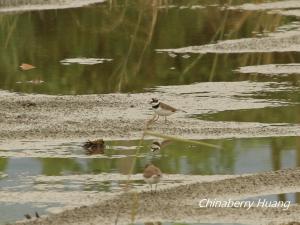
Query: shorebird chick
point(157, 145)
point(162, 109)
point(94, 147)
point(152, 175)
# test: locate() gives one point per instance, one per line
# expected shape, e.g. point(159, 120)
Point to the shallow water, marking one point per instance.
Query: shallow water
point(67, 170)
point(127, 35)
point(272, 115)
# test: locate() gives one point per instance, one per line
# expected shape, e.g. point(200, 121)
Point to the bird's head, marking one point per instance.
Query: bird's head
point(147, 165)
point(154, 102)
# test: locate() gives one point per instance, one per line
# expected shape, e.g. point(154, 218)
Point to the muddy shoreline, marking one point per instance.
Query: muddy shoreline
point(21, 5)
point(180, 203)
point(123, 116)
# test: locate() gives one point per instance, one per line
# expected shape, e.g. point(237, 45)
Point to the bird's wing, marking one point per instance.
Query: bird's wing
point(151, 171)
point(167, 107)
point(157, 171)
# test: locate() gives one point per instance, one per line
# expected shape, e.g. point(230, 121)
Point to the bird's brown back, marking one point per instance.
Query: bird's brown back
point(167, 107)
point(151, 170)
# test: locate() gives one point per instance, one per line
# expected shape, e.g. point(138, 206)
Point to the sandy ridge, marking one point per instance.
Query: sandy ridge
point(272, 69)
point(42, 5)
point(123, 116)
point(180, 203)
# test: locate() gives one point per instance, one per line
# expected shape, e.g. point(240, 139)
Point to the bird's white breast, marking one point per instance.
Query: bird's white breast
point(152, 180)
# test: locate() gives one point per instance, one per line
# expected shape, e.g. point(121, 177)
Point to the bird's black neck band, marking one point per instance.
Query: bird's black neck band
point(155, 106)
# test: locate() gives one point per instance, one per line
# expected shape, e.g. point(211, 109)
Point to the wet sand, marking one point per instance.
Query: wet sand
point(293, 12)
point(180, 203)
point(289, 4)
point(276, 42)
point(45, 118)
point(272, 69)
point(46, 5)
point(59, 190)
point(123, 116)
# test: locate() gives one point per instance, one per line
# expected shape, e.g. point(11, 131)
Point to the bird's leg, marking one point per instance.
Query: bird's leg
point(153, 118)
point(165, 119)
point(156, 118)
point(151, 188)
point(155, 188)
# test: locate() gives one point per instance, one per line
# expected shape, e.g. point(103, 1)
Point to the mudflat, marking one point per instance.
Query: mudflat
point(124, 116)
point(180, 203)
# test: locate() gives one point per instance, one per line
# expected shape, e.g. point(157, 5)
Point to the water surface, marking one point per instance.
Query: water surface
point(237, 156)
point(127, 34)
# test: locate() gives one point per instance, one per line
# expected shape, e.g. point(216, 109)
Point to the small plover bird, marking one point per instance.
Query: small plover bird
point(157, 145)
point(152, 175)
point(94, 147)
point(162, 109)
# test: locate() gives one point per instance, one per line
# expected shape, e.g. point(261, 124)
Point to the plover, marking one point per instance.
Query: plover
point(157, 145)
point(162, 109)
point(94, 147)
point(152, 175)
